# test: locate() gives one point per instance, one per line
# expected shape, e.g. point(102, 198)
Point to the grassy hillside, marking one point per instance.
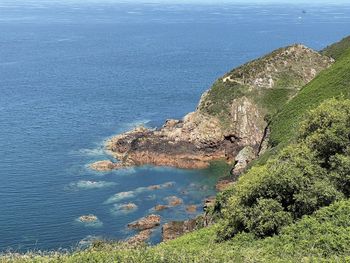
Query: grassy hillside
point(336, 50)
point(269, 81)
point(331, 83)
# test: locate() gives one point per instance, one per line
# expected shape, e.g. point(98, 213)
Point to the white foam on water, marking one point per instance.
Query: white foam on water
point(95, 224)
point(119, 197)
point(87, 241)
point(121, 209)
point(86, 185)
point(131, 194)
point(99, 151)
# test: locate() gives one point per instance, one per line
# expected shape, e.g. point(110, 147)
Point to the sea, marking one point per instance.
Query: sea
point(74, 73)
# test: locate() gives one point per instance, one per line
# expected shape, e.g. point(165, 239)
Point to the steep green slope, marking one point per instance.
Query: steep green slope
point(332, 82)
point(336, 50)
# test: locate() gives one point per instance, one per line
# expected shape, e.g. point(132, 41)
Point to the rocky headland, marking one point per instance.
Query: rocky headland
point(231, 120)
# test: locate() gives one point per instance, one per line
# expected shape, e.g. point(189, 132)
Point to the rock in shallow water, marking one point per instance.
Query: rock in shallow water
point(191, 208)
point(103, 166)
point(174, 200)
point(160, 207)
point(147, 222)
point(88, 218)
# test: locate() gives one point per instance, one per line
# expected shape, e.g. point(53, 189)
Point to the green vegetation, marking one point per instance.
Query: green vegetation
point(321, 237)
point(219, 99)
point(337, 49)
point(331, 83)
point(269, 82)
point(302, 178)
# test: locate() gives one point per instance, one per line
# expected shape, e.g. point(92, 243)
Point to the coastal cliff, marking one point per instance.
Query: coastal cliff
point(231, 118)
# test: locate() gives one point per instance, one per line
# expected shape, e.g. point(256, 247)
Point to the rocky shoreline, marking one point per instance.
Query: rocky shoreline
point(231, 123)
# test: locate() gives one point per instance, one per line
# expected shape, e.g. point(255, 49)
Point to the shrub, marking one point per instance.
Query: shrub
point(303, 177)
point(267, 217)
point(326, 130)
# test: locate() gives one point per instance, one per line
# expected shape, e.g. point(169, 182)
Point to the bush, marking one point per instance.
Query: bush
point(267, 217)
point(326, 130)
point(303, 177)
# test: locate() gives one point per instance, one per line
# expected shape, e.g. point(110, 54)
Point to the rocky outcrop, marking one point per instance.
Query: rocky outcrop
point(160, 207)
point(175, 229)
point(243, 158)
point(230, 116)
point(174, 201)
point(106, 165)
point(139, 238)
point(128, 206)
point(88, 219)
point(148, 222)
point(191, 208)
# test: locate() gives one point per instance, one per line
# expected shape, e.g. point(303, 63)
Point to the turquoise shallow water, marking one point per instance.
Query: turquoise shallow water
point(74, 74)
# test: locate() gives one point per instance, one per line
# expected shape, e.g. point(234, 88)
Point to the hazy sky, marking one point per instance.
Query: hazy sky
point(237, 1)
point(206, 1)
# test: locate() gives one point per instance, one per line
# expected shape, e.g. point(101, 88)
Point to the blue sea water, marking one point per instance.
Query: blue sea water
point(75, 73)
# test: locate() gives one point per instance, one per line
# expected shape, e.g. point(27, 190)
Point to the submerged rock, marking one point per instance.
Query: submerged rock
point(191, 208)
point(88, 219)
point(147, 222)
point(160, 207)
point(129, 206)
point(174, 201)
point(119, 209)
point(104, 166)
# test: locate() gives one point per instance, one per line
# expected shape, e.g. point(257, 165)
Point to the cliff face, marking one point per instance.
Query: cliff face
point(231, 116)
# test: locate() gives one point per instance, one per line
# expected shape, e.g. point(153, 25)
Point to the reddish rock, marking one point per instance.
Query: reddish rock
point(140, 238)
point(191, 208)
point(129, 206)
point(174, 201)
point(106, 165)
point(160, 207)
point(147, 222)
point(175, 229)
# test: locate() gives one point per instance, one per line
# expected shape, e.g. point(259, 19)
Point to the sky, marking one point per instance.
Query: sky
point(204, 1)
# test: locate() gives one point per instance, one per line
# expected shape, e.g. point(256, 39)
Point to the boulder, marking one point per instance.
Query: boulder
point(160, 207)
point(245, 156)
point(103, 166)
point(144, 223)
point(174, 201)
point(191, 208)
point(88, 219)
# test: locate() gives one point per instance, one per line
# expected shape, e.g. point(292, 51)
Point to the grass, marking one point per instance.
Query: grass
point(321, 237)
point(336, 50)
point(331, 83)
